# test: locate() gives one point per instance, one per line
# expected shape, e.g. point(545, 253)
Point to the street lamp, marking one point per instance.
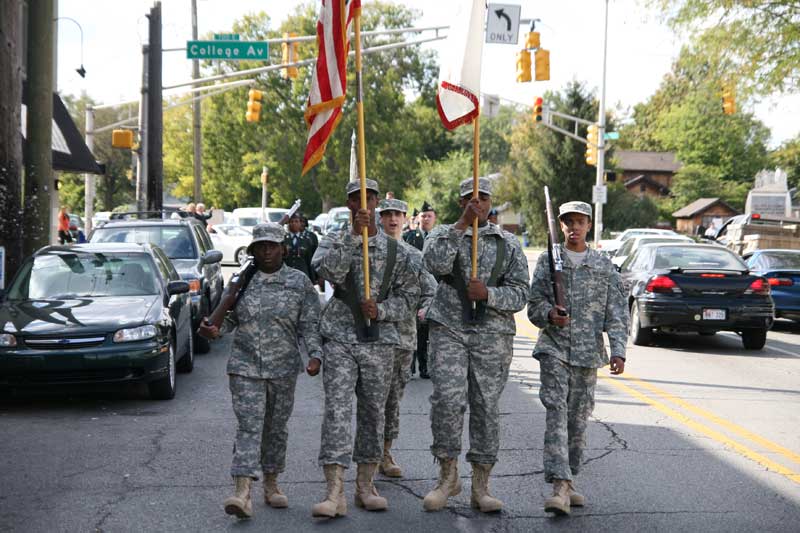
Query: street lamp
point(81, 71)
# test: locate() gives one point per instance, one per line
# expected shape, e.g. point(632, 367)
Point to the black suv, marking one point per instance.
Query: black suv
point(187, 244)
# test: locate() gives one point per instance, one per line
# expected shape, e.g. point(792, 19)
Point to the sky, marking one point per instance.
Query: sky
point(640, 49)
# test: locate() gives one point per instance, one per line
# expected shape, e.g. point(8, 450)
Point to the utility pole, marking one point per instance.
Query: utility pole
point(88, 179)
point(10, 141)
point(155, 164)
point(38, 183)
point(197, 161)
point(601, 133)
point(264, 184)
point(141, 168)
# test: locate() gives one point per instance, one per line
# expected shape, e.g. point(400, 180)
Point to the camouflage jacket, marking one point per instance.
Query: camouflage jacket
point(408, 327)
point(505, 299)
point(340, 253)
point(595, 302)
point(274, 311)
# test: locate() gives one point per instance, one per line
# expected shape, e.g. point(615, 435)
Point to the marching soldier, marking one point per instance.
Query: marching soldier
point(278, 306)
point(471, 340)
point(393, 215)
point(300, 247)
point(361, 337)
point(570, 348)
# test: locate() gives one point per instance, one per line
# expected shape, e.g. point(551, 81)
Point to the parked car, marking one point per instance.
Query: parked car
point(187, 244)
point(610, 246)
point(232, 241)
point(782, 270)
point(96, 313)
point(337, 218)
point(250, 216)
point(695, 287)
point(318, 223)
point(633, 244)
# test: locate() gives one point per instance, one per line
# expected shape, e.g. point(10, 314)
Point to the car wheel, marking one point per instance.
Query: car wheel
point(201, 344)
point(164, 388)
point(754, 339)
point(639, 335)
point(186, 364)
point(241, 256)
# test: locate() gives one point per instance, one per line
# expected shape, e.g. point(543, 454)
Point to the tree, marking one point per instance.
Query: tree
point(625, 210)
point(787, 157)
point(757, 37)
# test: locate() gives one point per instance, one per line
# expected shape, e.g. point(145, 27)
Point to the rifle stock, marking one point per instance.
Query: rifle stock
point(555, 260)
point(233, 291)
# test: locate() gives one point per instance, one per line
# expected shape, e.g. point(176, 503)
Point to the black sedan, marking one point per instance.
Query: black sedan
point(695, 288)
point(96, 313)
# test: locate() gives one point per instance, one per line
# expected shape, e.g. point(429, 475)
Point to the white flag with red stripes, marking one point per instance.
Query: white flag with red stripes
point(460, 72)
point(329, 78)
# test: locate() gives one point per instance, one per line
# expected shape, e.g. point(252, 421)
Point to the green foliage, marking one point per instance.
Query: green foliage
point(696, 181)
point(787, 157)
point(495, 133)
point(625, 210)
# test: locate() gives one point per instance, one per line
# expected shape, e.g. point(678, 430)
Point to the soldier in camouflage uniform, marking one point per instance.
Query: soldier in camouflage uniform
point(357, 364)
point(470, 359)
point(393, 215)
point(570, 348)
point(277, 308)
point(300, 247)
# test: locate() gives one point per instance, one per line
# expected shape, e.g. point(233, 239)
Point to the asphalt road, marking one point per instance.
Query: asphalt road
point(699, 435)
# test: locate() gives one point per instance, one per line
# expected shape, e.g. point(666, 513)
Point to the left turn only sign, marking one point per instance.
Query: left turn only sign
point(231, 50)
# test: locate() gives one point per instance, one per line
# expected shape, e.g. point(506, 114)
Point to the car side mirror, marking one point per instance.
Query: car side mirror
point(212, 256)
point(177, 287)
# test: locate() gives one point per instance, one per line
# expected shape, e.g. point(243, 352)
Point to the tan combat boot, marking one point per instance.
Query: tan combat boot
point(558, 503)
point(366, 494)
point(481, 499)
point(334, 503)
point(388, 467)
point(239, 504)
point(576, 499)
point(448, 485)
point(272, 494)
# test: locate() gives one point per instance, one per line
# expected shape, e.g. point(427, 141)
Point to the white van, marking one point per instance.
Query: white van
point(250, 216)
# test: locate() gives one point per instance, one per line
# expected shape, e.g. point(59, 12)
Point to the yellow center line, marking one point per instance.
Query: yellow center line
point(526, 329)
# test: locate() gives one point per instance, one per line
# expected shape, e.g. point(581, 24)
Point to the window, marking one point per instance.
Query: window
point(176, 241)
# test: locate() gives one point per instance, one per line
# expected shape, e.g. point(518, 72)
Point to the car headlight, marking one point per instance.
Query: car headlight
point(135, 334)
point(7, 340)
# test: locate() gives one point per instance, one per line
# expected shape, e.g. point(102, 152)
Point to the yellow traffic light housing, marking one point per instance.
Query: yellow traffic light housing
point(289, 55)
point(538, 109)
point(254, 105)
point(523, 66)
point(728, 100)
point(532, 41)
point(542, 60)
point(592, 138)
point(122, 139)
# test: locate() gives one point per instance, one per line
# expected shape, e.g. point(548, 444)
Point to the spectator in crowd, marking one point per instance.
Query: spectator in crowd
point(63, 226)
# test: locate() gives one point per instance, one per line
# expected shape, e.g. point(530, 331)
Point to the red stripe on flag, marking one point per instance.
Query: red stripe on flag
point(464, 119)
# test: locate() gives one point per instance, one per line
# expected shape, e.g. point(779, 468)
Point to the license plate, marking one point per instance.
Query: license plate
point(713, 314)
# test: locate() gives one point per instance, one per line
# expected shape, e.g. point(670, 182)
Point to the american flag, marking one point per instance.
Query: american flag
point(329, 80)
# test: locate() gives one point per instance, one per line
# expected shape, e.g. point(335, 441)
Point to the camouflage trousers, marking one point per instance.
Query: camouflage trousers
point(363, 371)
point(567, 392)
point(262, 408)
point(401, 374)
point(467, 369)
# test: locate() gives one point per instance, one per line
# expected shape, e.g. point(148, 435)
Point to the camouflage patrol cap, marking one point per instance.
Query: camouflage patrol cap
point(484, 186)
point(353, 186)
point(392, 204)
point(267, 231)
point(575, 207)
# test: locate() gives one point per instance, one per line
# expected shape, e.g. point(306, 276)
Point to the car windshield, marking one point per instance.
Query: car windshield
point(59, 275)
point(176, 241)
point(234, 231)
point(776, 260)
point(693, 257)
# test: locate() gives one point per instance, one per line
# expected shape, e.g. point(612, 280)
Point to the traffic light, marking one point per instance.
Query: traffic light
point(542, 60)
point(592, 142)
point(122, 139)
point(728, 100)
point(538, 108)
point(523, 66)
point(253, 105)
point(533, 40)
point(289, 53)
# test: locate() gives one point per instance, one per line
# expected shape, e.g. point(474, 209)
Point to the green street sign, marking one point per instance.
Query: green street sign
point(232, 50)
point(611, 136)
point(226, 36)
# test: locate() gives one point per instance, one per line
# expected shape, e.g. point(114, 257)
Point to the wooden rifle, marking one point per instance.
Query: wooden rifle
point(230, 296)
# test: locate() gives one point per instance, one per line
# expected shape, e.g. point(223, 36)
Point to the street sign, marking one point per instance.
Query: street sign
point(502, 26)
point(611, 136)
point(491, 105)
point(599, 194)
point(226, 36)
point(222, 49)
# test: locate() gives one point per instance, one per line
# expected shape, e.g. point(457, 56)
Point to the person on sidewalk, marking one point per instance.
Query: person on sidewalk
point(570, 348)
point(361, 337)
point(471, 342)
point(64, 236)
point(276, 309)
point(393, 216)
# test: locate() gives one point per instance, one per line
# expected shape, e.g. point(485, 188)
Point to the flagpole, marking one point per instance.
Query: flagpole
point(362, 166)
point(476, 156)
